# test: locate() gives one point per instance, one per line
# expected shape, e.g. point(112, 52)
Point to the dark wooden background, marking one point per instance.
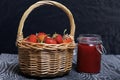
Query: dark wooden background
point(91, 16)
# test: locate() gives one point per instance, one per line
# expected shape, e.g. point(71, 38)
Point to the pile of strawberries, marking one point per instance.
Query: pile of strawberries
point(42, 37)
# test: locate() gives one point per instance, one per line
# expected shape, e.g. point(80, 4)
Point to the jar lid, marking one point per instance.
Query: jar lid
point(89, 39)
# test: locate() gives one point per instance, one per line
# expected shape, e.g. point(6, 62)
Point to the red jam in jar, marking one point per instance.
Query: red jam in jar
point(89, 53)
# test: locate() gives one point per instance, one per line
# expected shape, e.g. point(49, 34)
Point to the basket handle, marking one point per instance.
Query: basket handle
point(39, 3)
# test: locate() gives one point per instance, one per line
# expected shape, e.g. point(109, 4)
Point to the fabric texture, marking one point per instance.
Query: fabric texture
point(91, 17)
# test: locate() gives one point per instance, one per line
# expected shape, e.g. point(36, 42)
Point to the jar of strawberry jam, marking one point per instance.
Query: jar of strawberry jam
point(89, 53)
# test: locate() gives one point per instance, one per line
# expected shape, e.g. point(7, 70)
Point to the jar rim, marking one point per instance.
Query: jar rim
point(89, 39)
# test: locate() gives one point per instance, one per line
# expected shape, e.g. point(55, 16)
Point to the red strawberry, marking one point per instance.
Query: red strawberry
point(41, 36)
point(50, 40)
point(67, 39)
point(32, 38)
point(58, 38)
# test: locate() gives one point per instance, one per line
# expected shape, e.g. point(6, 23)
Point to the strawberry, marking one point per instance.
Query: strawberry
point(67, 39)
point(41, 36)
point(50, 40)
point(32, 38)
point(58, 38)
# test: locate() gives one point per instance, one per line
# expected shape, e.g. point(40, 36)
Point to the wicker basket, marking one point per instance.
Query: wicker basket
point(45, 60)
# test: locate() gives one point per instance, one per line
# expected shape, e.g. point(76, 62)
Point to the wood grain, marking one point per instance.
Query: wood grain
point(110, 69)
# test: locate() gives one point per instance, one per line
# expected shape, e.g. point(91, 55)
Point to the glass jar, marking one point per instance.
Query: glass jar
point(89, 53)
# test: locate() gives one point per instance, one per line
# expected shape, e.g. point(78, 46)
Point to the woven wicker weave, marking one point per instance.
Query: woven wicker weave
point(45, 60)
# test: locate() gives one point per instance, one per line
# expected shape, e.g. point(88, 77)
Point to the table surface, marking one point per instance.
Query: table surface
point(110, 69)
